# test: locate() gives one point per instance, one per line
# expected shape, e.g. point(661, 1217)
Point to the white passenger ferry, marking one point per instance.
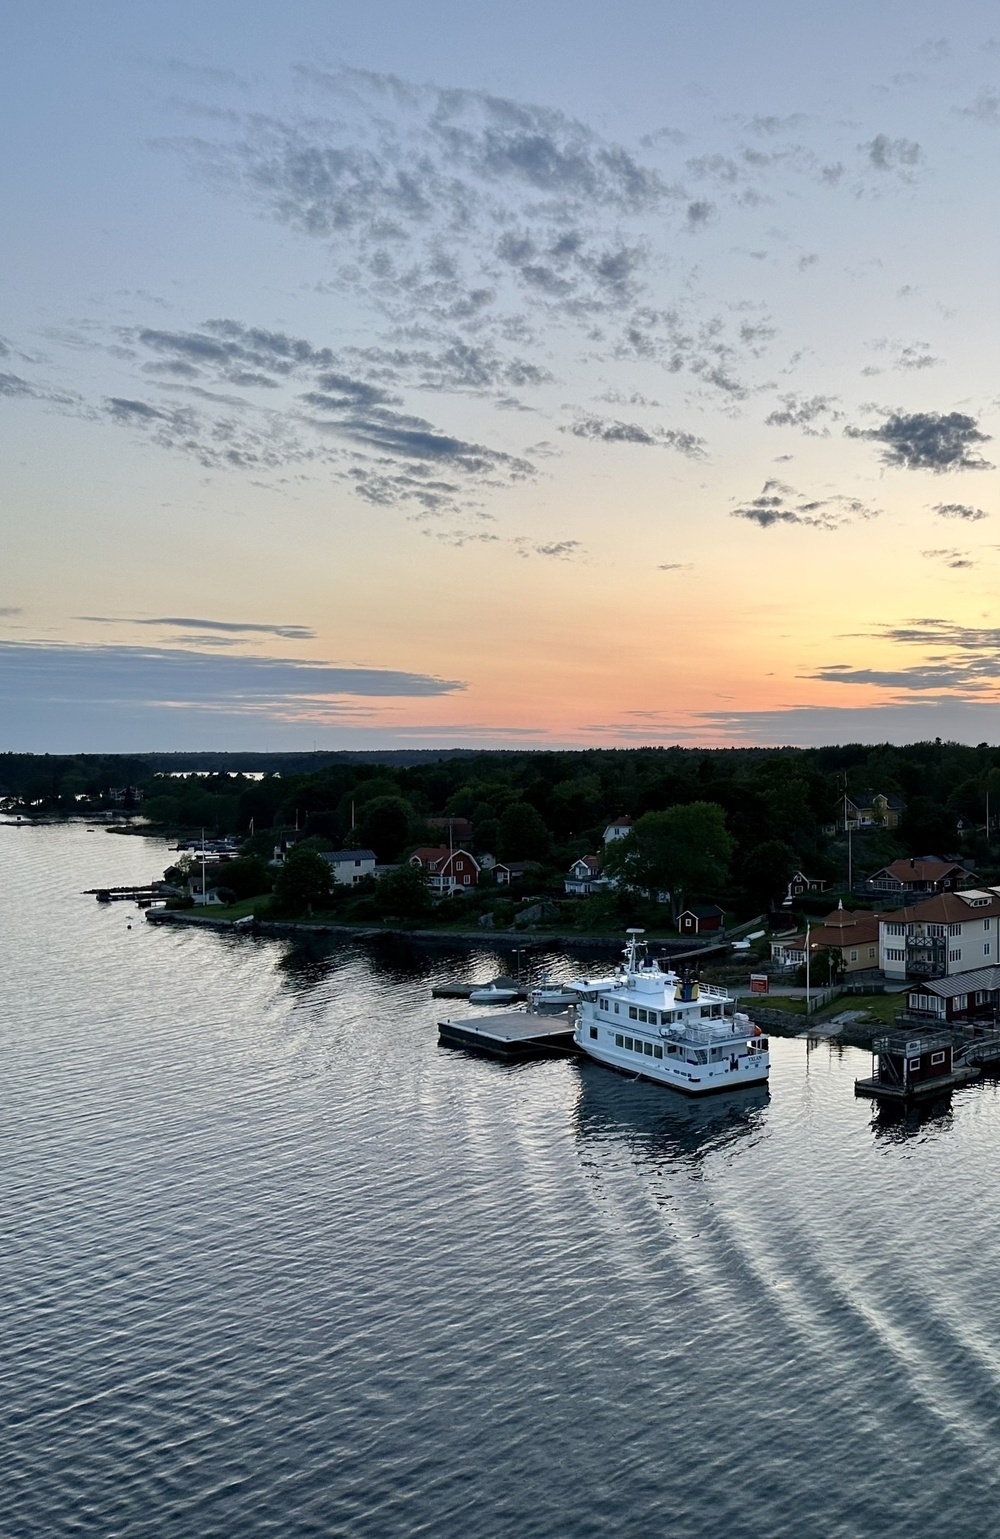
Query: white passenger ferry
point(649, 1022)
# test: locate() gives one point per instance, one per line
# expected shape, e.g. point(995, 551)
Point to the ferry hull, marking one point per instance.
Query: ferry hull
point(711, 1079)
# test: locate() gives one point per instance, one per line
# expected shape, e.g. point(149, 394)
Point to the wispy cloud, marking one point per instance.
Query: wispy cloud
point(956, 559)
point(892, 155)
point(610, 431)
point(807, 413)
point(985, 108)
point(778, 503)
point(167, 677)
point(963, 510)
point(936, 441)
point(236, 627)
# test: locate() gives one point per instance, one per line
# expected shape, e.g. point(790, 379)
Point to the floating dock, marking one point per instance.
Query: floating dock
point(919, 1062)
point(510, 1033)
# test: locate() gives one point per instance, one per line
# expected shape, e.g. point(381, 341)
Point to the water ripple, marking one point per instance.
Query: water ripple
point(275, 1262)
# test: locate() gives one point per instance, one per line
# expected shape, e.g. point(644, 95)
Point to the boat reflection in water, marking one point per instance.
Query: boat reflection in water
point(663, 1126)
point(896, 1121)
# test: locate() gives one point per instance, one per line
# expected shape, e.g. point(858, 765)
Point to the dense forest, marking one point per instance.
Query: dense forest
point(752, 815)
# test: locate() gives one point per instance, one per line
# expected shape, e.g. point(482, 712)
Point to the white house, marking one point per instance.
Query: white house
point(584, 877)
point(617, 829)
point(954, 932)
point(349, 866)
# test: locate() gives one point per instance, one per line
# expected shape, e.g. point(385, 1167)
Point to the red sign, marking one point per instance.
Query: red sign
point(759, 983)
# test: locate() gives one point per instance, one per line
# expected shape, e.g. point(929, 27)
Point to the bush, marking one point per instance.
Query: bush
point(303, 883)
point(403, 893)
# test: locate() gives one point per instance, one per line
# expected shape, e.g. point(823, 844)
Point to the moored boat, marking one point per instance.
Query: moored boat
point(648, 1021)
point(492, 994)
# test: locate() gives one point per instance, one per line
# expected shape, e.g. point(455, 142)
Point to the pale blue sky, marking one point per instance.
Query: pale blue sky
point(336, 327)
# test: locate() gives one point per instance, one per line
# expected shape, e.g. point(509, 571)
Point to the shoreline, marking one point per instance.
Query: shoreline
point(509, 939)
point(778, 1023)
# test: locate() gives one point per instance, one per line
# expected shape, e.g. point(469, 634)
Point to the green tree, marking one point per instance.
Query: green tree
point(246, 877)
point(403, 893)
point(767, 869)
point(522, 834)
point(384, 826)
point(303, 882)
point(927, 828)
point(684, 851)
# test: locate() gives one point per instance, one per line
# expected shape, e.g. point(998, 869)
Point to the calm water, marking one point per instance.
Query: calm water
point(274, 1262)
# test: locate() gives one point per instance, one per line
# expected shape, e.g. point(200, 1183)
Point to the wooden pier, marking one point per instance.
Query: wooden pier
point(510, 1033)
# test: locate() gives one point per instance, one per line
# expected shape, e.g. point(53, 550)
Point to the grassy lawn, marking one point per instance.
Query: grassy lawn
point(881, 1009)
point(772, 1002)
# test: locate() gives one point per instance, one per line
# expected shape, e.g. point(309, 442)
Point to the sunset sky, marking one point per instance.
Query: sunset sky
point(553, 374)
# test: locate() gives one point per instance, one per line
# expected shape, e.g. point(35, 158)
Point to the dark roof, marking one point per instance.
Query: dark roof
point(921, 868)
point(338, 855)
point(867, 797)
point(947, 908)
point(987, 978)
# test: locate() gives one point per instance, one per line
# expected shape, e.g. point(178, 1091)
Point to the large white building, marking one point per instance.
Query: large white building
point(955, 932)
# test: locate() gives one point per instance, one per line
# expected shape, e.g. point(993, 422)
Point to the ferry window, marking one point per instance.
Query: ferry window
point(641, 1014)
point(647, 1048)
point(706, 1009)
point(633, 1013)
point(937, 1058)
point(628, 1043)
point(616, 1007)
point(593, 1031)
point(657, 1052)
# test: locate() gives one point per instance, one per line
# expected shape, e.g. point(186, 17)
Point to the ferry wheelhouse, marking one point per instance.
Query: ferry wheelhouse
point(647, 1021)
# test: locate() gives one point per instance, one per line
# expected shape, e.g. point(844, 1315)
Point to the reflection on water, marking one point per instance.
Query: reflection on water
point(896, 1121)
point(659, 1124)
point(275, 1263)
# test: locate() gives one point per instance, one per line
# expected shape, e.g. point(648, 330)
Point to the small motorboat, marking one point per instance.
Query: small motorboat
point(547, 993)
point(493, 994)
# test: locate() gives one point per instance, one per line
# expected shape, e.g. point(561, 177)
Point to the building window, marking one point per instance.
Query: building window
point(854, 956)
point(954, 929)
point(986, 948)
point(871, 952)
point(937, 1058)
point(467, 881)
point(892, 955)
point(955, 956)
point(960, 1002)
point(593, 1032)
point(913, 1064)
point(986, 924)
